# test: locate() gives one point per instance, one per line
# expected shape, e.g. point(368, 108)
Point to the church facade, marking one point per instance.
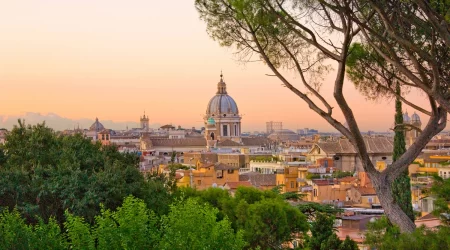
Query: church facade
point(222, 118)
point(222, 130)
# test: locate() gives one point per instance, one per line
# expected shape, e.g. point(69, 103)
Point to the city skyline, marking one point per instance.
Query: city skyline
point(113, 60)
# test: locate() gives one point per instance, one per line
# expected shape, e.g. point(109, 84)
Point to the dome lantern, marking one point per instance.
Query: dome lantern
point(221, 86)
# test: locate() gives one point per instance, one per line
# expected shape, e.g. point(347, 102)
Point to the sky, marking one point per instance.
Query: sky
point(113, 59)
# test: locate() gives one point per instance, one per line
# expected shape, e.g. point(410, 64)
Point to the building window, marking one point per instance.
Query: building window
point(235, 130)
point(230, 171)
point(103, 137)
point(199, 182)
point(370, 199)
point(292, 184)
point(315, 192)
point(225, 130)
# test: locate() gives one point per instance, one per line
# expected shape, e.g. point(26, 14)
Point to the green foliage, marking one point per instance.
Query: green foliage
point(401, 188)
point(292, 196)
point(14, 233)
point(323, 236)
point(442, 7)
point(311, 176)
point(321, 231)
point(341, 174)
point(269, 223)
point(3, 157)
point(172, 157)
point(78, 232)
point(264, 158)
point(441, 190)
point(132, 226)
point(331, 243)
point(45, 174)
point(383, 236)
point(264, 217)
point(191, 225)
point(310, 209)
point(177, 166)
point(348, 244)
point(363, 69)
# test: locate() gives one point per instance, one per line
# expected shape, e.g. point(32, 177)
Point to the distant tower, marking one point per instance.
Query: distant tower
point(415, 121)
point(144, 122)
point(211, 133)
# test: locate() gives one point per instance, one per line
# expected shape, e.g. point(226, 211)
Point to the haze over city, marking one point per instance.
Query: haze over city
point(77, 60)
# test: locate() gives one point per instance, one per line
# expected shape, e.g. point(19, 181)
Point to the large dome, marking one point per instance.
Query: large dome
point(222, 104)
point(96, 126)
point(415, 117)
point(406, 117)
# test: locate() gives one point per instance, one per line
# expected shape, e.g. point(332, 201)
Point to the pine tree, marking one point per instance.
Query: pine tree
point(401, 188)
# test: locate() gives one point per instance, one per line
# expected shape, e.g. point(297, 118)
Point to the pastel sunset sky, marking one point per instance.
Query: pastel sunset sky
point(113, 59)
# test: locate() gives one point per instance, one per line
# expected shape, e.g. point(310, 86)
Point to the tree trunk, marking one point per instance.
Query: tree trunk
point(393, 211)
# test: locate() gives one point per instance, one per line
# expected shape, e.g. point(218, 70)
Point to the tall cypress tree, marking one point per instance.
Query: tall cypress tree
point(401, 188)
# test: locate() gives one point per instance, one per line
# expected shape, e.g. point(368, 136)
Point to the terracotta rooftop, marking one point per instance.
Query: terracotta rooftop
point(117, 137)
point(193, 141)
point(366, 191)
point(105, 132)
point(343, 146)
point(201, 142)
point(236, 184)
point(207, 165)
point(221, 166)
point(255, 141)
point(358, 217)
point(429, 216)
point(258, 180)
point(324, 182)
point(348, 179)
point(228, 143)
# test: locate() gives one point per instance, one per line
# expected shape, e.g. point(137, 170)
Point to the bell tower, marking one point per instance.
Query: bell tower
point(144, 122)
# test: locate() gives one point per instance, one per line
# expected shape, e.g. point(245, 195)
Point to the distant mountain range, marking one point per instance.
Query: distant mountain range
point(58, 122)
